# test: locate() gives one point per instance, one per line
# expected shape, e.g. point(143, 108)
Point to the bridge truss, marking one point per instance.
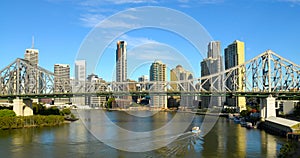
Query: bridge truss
point(268, 73)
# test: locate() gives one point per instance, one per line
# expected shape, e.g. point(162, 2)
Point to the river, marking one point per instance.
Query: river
point(94, 136)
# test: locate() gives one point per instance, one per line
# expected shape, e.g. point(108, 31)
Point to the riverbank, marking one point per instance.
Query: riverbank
point(290, 150)
point(167, 110)
point(30, 121)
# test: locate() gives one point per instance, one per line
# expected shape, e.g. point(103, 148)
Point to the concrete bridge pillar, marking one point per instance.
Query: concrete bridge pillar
point(267, 107)
point(22, 107)
point(18, 106)
point(27, 109)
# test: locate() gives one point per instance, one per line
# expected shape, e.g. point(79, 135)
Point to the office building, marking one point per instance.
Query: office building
point(121, 73)
point(62, 82)
point(96, 84)
point(158, 73)
point(121, 62)
point(32, 55)
point(34, 81)
point(143, 83)
point(80, 70)
point(235, 55)
point(80, 78)
point(212, 65)
point(185, 77)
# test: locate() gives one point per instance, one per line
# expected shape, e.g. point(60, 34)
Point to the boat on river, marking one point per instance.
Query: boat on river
point(196, 129)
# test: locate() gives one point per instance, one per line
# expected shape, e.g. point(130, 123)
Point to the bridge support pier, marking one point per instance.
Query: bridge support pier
point(267, 107)
point(22, 107)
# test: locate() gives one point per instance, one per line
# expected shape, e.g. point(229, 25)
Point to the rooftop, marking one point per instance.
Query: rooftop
point(282, 121)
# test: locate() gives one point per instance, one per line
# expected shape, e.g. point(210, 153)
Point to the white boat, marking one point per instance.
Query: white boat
point(196, 129)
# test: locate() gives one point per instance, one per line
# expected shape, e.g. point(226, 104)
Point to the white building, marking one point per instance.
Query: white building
point(121, 61)
point(62, 81)
point(97, 84)
point(158, 73)
point(80, 78)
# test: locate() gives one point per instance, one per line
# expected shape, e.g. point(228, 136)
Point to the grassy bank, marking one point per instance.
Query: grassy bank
point(289, 150)
point(12, 122)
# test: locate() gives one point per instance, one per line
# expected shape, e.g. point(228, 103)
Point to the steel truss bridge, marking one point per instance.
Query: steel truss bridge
point(266, 74)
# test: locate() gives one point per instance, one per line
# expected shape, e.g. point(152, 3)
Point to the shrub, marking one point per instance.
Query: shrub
point(6, 112)
point(65, 111)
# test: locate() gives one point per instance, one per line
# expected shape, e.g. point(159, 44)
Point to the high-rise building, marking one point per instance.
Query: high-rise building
point(143, 78)
point(32, 55)
point(80, 70)
point(62, 78)
point(62, 81)
point(121, 62)
point(235, 55)
point(80, 78)
point(143, 83)
point(158, 73)
point(96, 84)
point(34, 82)
point(180, 74)
point(212, 65)
point(121, 73)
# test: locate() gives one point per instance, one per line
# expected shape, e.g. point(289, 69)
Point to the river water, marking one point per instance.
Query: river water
point(93, 136)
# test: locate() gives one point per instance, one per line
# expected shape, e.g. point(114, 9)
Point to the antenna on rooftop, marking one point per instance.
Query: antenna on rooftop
point(32, 44)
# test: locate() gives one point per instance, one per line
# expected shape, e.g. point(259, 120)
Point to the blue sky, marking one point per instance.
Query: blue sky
point(60, 27)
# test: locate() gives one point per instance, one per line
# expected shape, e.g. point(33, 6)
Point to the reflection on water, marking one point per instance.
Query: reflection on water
point(226, 139)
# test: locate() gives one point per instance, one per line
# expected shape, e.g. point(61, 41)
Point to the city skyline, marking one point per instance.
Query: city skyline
point(59, 43)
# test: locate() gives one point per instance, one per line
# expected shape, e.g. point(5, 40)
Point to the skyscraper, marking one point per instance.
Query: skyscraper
point(211, 65)
point(121, 62)
point(180, 74)
point(34, 82)
point(62, 81)
point(80, 70)
point(158, 73)
point(143, 86)
point(32, 55)
point(97, 84)
point(62, 78)
point(80, 78)
point(235, 55)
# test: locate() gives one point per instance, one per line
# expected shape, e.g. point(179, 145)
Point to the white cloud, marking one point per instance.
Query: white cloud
point(108, 24)
point(291, 1)
point(149, 50)
point(136, 41)
point(91, 20)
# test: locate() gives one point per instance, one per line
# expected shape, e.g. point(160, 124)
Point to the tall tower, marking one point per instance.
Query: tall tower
point(32, 55)
point(34, 82)
point(62, 78)
point(158, 73)
point(80, 70)
point(180, 74)
point(235, 55)
point(121, 62)
point(97, 84)
point(80, 78)
point(62, 81)
point(212, 65)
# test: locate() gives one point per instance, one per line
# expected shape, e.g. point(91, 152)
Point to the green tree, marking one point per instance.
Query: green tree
point(244, 113)
point(37, 108)
point(110, 102)
point(65, 111)
point(6, 112)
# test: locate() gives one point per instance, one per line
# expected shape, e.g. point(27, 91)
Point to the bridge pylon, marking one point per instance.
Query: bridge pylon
point(22, 107)
point(267, 107)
